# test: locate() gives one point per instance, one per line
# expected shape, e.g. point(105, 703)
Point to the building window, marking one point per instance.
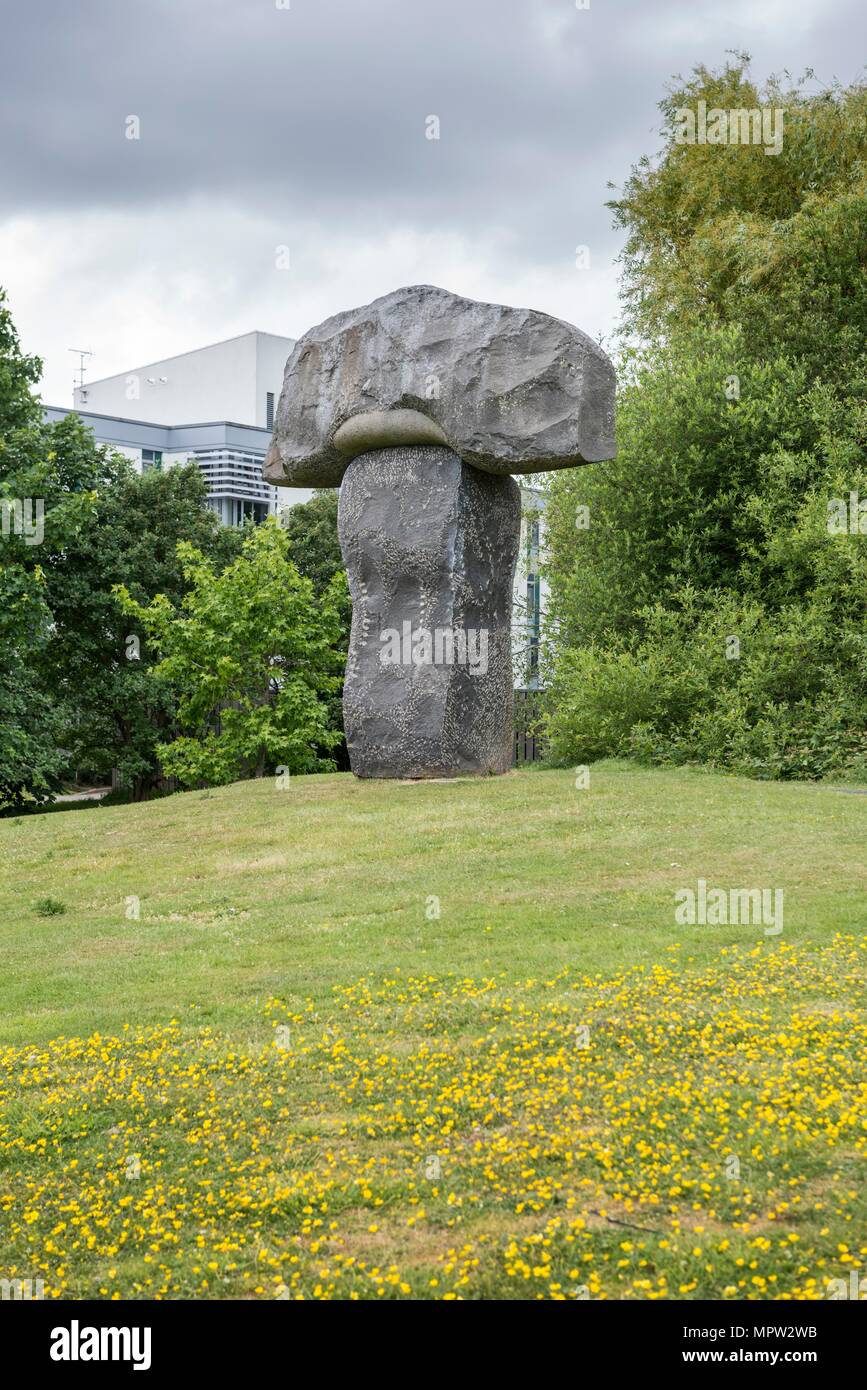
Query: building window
point(269, 410)
point(151, 458)
point(534, 626)
point(533, 600)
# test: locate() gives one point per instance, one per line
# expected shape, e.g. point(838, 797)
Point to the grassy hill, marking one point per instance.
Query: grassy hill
point(435, 1040)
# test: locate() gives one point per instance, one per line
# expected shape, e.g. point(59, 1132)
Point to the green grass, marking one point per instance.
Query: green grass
point(247, 891)
point(432, 948)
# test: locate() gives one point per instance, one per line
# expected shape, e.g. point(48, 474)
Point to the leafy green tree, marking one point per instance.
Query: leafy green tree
point(18, 374)
point(78, 519)
point(48, 473)
point(31, 757)
point(741, 416)
point(729, 234)
point(99, 661)
point(38, 517)
point(672, 507)
point(312, 531)
point(249, 655)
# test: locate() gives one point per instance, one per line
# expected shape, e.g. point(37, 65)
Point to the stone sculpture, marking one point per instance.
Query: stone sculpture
point(421, 406)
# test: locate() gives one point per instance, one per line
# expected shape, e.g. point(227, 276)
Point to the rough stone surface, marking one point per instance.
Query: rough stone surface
point(432, 543)
point(511, 390)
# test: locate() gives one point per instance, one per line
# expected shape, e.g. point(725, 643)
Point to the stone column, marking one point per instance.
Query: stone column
point(430, 546)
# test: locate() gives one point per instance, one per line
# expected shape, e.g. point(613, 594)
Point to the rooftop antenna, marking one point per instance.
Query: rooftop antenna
point(82, 365)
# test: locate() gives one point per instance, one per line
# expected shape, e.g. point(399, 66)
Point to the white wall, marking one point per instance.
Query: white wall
point(224, 381)
point(271, 356)
point(134, 455)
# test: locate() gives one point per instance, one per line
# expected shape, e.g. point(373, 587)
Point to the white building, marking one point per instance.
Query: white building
point(214, 405)
point(238, 379)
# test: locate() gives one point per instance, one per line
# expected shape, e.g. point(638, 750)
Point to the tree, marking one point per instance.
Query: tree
point(708, 612)
point(38, 516)
point(312, 531)
point(76, 520)
point(18, 373)
point(728, 234)
point(99, 661)
point(31, 759)
point(249, 655)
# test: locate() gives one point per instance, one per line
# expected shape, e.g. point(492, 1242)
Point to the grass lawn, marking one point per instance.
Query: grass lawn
point(435, 1040)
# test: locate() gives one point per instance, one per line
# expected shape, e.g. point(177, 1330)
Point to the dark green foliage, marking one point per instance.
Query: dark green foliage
point(98, 660)
point(31, 760)
point(312, 530)
point(741, 417)
point(248, 659)
point(70, 699)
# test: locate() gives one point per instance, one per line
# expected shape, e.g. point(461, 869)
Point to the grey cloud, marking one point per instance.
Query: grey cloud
point(312, 119)
point(320, 108)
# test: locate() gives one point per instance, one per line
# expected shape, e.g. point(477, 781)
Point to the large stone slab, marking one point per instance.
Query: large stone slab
point(430, 547)
point(508, 390)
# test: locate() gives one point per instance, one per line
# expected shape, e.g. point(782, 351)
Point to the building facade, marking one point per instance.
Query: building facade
point(237, 379)
point(214, 406)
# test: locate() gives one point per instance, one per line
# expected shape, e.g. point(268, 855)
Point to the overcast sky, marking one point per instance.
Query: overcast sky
point(305, 127)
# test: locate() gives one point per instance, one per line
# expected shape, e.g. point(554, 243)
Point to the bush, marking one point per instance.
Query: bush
point(716, 680)
point(50, 907)
point(250, 659)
